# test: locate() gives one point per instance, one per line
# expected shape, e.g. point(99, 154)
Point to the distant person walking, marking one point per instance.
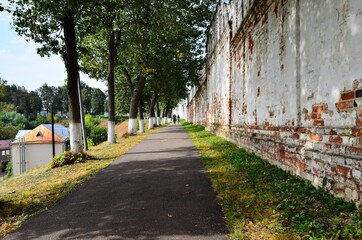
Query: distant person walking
point(174, 119)
point(178, 118)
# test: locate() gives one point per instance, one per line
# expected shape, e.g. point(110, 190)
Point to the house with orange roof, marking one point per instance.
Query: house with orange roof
point(34, 148)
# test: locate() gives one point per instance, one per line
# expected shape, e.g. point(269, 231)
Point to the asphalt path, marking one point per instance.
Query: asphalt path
point(157, 190)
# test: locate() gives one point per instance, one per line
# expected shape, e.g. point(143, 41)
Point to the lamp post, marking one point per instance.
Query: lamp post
point(52, 120)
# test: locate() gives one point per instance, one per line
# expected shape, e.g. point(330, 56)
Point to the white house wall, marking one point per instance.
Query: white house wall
point(35, 155)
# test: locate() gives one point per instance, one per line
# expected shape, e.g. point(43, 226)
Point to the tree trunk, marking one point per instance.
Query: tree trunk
point(169, 114)
point(141, 121)
point(152, 119)
point(164, 116)
point(158, 114)
point(111, 108)
point(70, 58)
point(135, 97)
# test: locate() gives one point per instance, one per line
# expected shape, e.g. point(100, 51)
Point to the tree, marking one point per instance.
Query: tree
point(97, 101)
point(102, 47)
point(86, 97)
point(53, 24)
point(161, 39)
point(47, 94)
point(122, 95)
point(35, 104)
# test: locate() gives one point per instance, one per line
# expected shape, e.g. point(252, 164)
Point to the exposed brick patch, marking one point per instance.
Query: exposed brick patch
point(316, 138)
point(316, 115)
point(354, 150)
point(336, 139)
point(347, 95)
point(359, 122)
point(357, 132)
point(328, 146)
point(318, 122)
point(319, 108)
point(343, 170)
point(294, 136)
point(301, 165)
point(344, 105)
point(266, 123)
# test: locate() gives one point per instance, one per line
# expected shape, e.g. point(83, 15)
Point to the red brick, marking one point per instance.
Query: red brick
point(328, 146)
point(359, 121)
point(344, 105)
point(357, 132)
point(336, 139)
point(271, 128)
point(316, 138)
point(343, 170)
point(266, 123)
point(301, 165)
point(347, 95)
point(319, 108)
point(294, 136)
point(356, 150)
point(316, 115)
point(318, 122)
point(303, 130)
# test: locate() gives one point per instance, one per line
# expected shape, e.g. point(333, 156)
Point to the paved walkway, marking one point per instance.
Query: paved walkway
point(158, 190)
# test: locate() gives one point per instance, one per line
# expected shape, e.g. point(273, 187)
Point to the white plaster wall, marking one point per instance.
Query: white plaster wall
point(331, 55)
point(35, 155)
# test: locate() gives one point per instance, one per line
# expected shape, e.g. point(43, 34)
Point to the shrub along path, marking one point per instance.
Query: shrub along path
point(158, 190)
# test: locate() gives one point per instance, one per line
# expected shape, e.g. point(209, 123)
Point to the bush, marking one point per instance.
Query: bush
point(9, 169)
point(69, 158)
point(40, 120)
point(121, 118)
point(95, 134)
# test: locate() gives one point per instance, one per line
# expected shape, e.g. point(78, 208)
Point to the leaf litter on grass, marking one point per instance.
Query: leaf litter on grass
point(261, 201)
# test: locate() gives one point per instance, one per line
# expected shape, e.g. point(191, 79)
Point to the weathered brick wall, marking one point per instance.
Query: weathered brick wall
point(284, 79)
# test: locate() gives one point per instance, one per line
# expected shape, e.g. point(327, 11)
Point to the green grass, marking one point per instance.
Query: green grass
point(261, 201)
point(25, 195)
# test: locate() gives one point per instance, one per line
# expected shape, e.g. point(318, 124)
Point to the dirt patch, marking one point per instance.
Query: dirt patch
point(103, 123)
point(122, 129)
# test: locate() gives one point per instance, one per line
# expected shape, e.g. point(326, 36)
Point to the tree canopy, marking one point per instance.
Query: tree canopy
point(153, 46)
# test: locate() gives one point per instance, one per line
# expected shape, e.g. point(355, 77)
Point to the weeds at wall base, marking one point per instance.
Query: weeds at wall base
point(261, 201)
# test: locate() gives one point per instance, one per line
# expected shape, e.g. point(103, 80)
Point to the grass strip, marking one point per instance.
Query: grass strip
point(32, 192)
point(261, 201)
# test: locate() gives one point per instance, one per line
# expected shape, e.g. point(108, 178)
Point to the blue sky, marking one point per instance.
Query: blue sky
point(21, 65)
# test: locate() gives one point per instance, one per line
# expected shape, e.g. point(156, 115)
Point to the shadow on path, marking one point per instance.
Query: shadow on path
point(158, 190)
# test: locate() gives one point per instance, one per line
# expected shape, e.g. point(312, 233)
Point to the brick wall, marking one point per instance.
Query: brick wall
point(284, 79)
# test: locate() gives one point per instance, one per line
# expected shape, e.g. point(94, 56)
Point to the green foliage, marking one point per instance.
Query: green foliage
point(121, 118)
point(90, 120)
point(40, 120)
point(95, 133)
point(69, 158)
point(9, 169)
point(8, 131)
point(264, 199)
point(14, 118)
point(97, 101)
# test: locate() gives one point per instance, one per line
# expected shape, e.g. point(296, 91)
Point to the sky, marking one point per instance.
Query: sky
point(22, 66)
